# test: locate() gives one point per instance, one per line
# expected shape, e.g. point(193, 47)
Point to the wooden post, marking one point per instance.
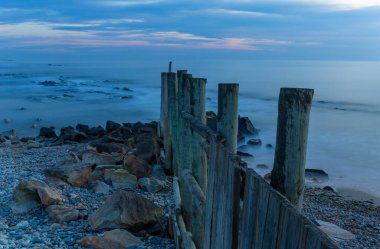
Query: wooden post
point(169, 124)
point(163, 104)
point(228, 114)
point(198, 110)
point(288, 174)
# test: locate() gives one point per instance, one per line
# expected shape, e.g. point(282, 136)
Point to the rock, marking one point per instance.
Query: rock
point(268, 176)
point(33, 145)
point(76, 174)
point(46, 132)
point(151, 185)
point(60, 214)
point(2, 139)
point(212, 121)
point(121, 179)
point(329, 188)
point(240, 137)
point(243, 154)
point(99, 171)
point(246, 126)
point(82, 128)
point(125, 210)
point(147, 148)
point(262, 166)
point(137, 166)
point(55, 182)
point(254, 142)
point(158, 171)
point(335, 231)
point(115, 239)
point(34, 126)
point(32, 193)
point(22, 224)
point(108, 147)
point(96, 132)
point(269, 146)
point(69, 134)
point(101, 188)
point(93, 157)
point(7, 120)
point(112, 126)
point(50, 83)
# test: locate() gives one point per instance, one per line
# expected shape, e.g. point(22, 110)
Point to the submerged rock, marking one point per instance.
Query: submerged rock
point(115, 239)
point(47, 132)
point(125, 210)
point(254, 142)
point(32, 193)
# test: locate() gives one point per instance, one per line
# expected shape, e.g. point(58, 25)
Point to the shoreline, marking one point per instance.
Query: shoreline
point(25, 158)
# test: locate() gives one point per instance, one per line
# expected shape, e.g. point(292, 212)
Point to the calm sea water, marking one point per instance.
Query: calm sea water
point(344, 128)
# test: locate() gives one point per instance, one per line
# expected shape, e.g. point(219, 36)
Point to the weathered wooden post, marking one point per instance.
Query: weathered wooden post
point(169, 124)
point(163, 104)
point(228, 95)
point(198, 110)
point(288, 174)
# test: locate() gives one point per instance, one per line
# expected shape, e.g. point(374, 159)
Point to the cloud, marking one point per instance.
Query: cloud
point(242, 13)
point(20, 11)
point(181, 36)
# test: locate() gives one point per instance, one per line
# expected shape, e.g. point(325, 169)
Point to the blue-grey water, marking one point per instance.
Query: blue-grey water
point(344, 134)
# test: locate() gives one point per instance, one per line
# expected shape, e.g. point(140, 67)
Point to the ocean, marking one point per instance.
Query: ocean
point(344, 134)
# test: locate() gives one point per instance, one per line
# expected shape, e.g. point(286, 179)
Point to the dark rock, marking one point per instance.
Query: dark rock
point(93, 157)
point(127, 89)
point(137, 166)
point(269, 146)
point(125, 210)
point(50, 83)
point(329, 188)
point(115, 239)
point(96, 132)
point(246, 126)
point(254, 142)
point(151, 184)
point(212, 121)
point(47, 132)
point(69, 134)
point(112, 126)
point(243, 154)
point(262, 166)
point(60, 214)
point(120, 179)
point(82, 128)
point(108, 147)
point(240, 137)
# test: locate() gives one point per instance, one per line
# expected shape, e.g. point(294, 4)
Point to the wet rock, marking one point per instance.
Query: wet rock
point(115, 239)
point(50, 83)
point(112, 126)
point(147, 148)
point(137, 166)
point(262, 166)
point(47, 132)
point(151, 184)
point(243, 154)
point(125, 210)
point(32, 193)
point(76, 174)
point(246, 126)
point(254, 142)
point(269, 146)
point(101, 188)
point(96, 132)
point(93, 157)
point(121, 179)
point(60, 214)
point(69, 134)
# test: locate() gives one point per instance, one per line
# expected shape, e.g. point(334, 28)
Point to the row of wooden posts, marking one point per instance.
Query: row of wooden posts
point(209, 181)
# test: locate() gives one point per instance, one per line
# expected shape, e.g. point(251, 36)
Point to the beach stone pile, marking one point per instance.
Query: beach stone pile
point(85, 188)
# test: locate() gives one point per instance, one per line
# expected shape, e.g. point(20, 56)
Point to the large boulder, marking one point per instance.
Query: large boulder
point(112, 126)
point(60, 214)
point(93, 157)
point(137, 166)
point(108, 147)
point(32, 193)
point(121, 179)
point(246, 126)
point(125, 210)
point(148, 148)
point(69, 134)
point(96, 132)
point(82, 128)
point(115, 239)
point(46, 132)
point(76, 174)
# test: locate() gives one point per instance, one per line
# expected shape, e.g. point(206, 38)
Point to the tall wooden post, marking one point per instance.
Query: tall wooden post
point(163, 104)
point(288, 174)
point(228, 117)
point(169, 124)
point(228, 95)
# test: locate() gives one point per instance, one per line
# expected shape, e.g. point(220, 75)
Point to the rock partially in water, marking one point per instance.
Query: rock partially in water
point(76, 174)
point(60, 213)
point(125, 210)
point(32, 193)
point(69, 134)
point(254, 142)
point(115, 239)
point(243, 154)
point(246, 126)
point(112, 126)
point(137, 166)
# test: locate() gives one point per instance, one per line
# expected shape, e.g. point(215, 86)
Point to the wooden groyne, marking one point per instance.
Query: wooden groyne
point(211, 212)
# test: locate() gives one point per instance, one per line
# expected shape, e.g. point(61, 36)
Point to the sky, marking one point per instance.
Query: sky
point(251, 29)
